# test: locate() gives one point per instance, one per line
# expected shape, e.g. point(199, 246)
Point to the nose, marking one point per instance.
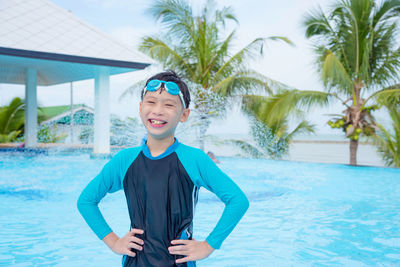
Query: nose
point(157, 109)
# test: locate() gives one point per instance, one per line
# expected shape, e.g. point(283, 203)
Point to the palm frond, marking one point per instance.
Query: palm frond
point(385, 96)
point(12, 116)
point(389, 9)
point(388, 146)
point(246, 147)
point(316, 23)
point(222, 15)
point(176, 16)
point(9, 137)
point(247, 82)
point(386, 63)
point(356, 41)
point(250, 52)
point(160, 51)
point(334, 74)
point(301, 128)
point(273, 109)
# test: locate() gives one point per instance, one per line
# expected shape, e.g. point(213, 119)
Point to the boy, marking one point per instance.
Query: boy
point(161, 180)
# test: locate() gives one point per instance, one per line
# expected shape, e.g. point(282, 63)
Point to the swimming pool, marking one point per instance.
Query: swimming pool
point(300, 214)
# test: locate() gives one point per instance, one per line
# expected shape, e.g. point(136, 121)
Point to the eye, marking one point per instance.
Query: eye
point(169, 104)
point(149, 102)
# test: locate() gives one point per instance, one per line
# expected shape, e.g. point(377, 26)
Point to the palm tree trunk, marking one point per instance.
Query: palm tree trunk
point(353, 152)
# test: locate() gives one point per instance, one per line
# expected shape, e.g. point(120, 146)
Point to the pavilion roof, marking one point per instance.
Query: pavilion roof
point(62, 47)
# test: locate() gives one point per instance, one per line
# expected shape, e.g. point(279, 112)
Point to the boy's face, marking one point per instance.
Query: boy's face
point(161, 113)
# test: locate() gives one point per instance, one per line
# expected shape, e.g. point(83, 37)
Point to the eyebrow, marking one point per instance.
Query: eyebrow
point(163, 100)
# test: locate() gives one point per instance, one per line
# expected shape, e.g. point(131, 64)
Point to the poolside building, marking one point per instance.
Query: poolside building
point(42, 44)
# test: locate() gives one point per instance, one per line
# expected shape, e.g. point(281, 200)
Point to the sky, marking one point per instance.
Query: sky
point(128, 21)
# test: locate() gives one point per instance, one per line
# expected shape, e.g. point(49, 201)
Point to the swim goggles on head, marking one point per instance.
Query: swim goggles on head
point(171, 88)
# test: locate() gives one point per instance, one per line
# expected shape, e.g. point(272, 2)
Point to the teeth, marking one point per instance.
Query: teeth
point(156, 122)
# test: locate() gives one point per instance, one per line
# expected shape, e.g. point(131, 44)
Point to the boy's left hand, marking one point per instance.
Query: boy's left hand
point(192, 249)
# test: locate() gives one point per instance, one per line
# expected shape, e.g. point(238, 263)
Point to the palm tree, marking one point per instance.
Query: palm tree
point(270, 127)
point(197, 48)
point(358, 59)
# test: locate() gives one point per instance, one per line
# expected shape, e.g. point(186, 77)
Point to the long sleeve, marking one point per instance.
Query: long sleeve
point(109, 180)
point(236, 202)
point(204, 172)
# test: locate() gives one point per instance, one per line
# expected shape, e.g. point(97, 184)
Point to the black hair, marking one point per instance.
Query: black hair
point(171, 76)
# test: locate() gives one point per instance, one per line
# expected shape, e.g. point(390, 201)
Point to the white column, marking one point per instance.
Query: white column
point(71, 115)
point(30, 108)
point(101, 112)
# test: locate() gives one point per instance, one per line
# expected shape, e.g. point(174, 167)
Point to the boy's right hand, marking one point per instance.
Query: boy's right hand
point(124, 245)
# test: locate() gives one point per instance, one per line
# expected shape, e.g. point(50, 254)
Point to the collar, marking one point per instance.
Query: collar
point(168, 151)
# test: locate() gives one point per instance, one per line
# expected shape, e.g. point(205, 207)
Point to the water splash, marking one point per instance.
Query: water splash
point(267, 138)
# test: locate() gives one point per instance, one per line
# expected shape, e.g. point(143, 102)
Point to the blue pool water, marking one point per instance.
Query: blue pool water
point(300, 214)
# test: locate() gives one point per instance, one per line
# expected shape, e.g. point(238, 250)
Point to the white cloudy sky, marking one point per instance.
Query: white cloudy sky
point(127, 21)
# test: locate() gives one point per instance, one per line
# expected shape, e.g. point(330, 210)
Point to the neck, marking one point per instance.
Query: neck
point(158, 146)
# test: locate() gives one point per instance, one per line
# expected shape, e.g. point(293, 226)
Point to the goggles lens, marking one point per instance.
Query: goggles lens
point(171, 88)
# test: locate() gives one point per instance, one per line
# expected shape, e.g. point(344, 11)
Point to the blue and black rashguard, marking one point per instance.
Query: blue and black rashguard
point(161, 193)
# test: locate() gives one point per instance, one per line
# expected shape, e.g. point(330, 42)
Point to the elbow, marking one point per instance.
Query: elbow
point(240, 202)
point(81, 203)
point(245, 203)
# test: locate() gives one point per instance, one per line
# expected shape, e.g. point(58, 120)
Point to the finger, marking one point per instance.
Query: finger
point(185, 259)
point(136, 231)
point(136, 240)
point(178, 248)
point(183, 253)
point(130, 253)
point(180, 241)
point(178, 251)
point(134, 246)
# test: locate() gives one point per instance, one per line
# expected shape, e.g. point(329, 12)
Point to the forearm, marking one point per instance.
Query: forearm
point(88, 207)
point(110, 240)
point(208, 246)
point(233, 212)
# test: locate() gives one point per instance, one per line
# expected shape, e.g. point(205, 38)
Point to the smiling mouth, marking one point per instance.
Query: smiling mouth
point(157, 123)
